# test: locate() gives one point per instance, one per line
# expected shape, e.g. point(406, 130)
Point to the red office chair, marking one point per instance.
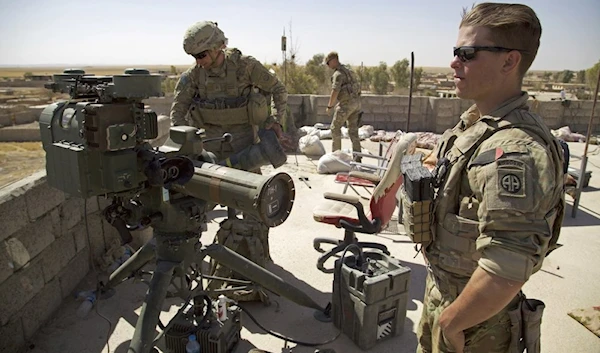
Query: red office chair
point(346, 211)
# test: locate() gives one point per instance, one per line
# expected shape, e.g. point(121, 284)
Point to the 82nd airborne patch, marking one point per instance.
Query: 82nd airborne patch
point(511, 177)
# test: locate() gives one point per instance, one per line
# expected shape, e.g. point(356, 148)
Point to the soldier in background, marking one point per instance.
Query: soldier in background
point(499, 203)
point(225, 93)
point(345, 90)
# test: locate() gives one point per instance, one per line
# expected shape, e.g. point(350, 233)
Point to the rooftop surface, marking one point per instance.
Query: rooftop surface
point(568, 280)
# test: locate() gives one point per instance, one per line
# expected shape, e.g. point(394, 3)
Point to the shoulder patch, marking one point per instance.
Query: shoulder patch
point(511, 177)
point(184, 80)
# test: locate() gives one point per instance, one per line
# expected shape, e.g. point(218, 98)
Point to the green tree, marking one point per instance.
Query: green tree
point(320, 73)
point(581, 76)
point(417, 77)
point(296, 79)
point(547, 75)
point(381, 79)
point(365, 77)
point(591, 76)
point(566, 76)
point(400, 73)
point(173, 70)
point(27, 75)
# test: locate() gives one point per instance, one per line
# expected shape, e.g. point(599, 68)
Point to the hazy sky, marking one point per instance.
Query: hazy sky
point(136, 32)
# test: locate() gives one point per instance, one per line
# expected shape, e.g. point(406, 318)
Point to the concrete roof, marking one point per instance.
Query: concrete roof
point(568, 280)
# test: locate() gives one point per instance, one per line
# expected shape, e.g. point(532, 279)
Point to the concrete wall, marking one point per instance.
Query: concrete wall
point(383, 112)
point(44, 253)
point(427, 113)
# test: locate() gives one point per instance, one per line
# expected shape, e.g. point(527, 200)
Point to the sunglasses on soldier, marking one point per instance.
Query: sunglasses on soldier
point(467, 53)
point(200, 55)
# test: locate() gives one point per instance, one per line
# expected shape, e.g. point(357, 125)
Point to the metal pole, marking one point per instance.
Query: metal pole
point(581, 179)
point(410, 90)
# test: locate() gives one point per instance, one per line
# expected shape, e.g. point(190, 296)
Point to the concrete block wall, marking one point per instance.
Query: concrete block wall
point(44, 253)
point(433, 114)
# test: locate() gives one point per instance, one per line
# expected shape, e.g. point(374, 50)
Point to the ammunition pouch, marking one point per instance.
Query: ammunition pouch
point(252, 110)
point(526, 322)
point(416, 218)
point(416, 194)
point(258, 109)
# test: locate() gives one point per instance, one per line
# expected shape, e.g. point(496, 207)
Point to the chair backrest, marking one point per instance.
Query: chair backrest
point(383, 201)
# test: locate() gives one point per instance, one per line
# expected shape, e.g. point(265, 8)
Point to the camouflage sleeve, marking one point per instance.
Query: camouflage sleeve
point(184, 93)
point(337, 80)
point(512, 179)
point(263, 79)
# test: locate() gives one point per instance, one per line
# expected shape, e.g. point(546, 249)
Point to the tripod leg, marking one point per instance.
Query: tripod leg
point(145, 328)
point(134, 263)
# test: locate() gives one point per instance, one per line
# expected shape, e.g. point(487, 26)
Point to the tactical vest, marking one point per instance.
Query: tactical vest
point(453, 253)
point(220, 101)
point(351, 88)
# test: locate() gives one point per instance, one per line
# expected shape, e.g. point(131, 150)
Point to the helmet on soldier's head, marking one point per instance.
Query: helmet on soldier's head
point(332, 55)
point(202, 36)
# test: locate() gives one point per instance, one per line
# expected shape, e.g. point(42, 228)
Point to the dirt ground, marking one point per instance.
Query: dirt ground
point(19, 160)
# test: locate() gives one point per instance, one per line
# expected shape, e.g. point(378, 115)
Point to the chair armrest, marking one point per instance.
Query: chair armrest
point(366, 176)
point(352, 200)
point(369, 155)
point(366, 166)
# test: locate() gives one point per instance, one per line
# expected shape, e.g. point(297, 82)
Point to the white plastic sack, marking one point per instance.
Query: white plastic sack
point(365, 131)
point(310, 145)
point(308, 130)
point(325, 134)
point(345, 132)
point(334, 162)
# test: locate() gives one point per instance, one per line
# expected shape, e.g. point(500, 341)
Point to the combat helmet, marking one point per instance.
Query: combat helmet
point(202, 36)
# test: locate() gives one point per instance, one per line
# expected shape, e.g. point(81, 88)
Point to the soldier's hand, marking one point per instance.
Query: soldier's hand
point(327, 110)
point(284, 140)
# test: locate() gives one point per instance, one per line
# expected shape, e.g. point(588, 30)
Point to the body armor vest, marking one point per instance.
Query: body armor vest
point(453, 253)
point(351, 88)
point(219, 100)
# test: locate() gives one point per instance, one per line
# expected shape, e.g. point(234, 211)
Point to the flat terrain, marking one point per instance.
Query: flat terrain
point(20, 159)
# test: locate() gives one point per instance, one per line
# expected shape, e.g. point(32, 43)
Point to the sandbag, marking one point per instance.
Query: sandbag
point(310, 145)
point(334, 162)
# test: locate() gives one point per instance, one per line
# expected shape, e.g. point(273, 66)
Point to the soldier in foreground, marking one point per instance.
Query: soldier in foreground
point(345, 90)
point(499, 203)
point(224, 92)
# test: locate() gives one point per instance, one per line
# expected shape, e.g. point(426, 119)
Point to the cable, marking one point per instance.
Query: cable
point(98, 291)
point(285, 338)
point(311, 344)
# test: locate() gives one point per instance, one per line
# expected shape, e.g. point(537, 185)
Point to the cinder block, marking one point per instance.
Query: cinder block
point(92, 204)
point(378, 109)
point(397, 109)
point(57, 256)
point(371, 101)
point(31, 240)
point(13, 214)
point(395, 100)
point(13, 339)
point(39, 309)
point(42, 198)
point(6, 264)
point(96, 233)
point(294, 100)
point(73, 273)
point(71, 213)
point(18, 289)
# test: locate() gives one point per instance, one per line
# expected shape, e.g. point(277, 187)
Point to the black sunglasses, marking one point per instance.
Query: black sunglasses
point(468, 53)
point(201, 55)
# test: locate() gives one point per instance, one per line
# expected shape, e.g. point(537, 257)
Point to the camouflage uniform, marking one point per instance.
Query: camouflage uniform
point(230, 98)
point(347, 110)
point(214, 89)
point(499, 206)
